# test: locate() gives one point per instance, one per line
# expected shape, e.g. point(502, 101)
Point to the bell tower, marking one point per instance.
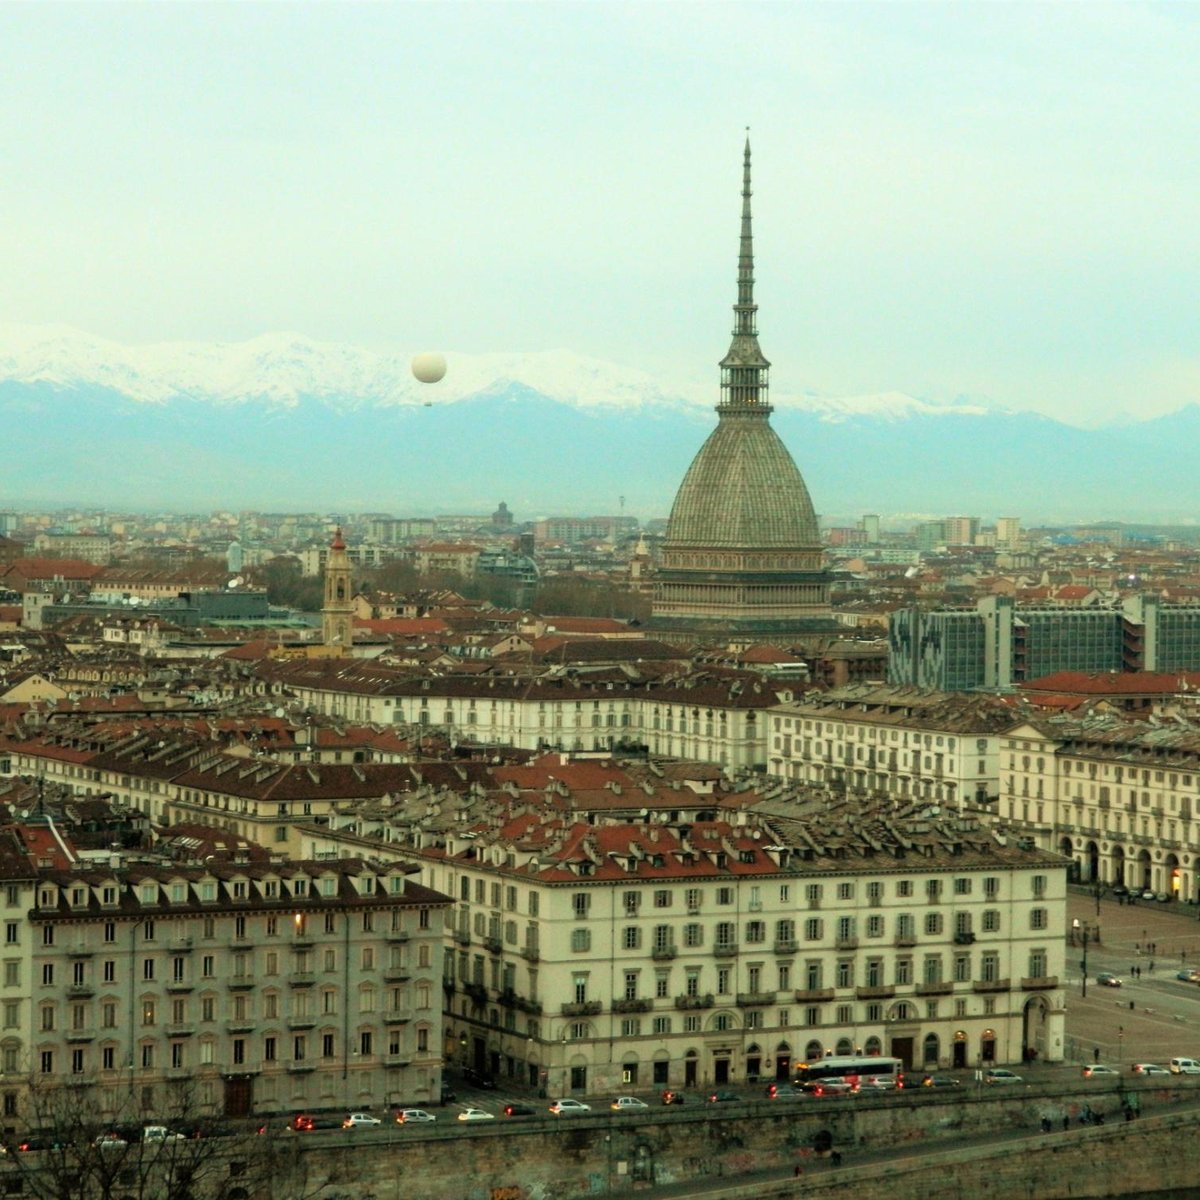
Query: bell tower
point(337, 613)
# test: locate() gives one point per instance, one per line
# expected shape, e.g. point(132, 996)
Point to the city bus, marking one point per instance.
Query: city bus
point(857, 1070)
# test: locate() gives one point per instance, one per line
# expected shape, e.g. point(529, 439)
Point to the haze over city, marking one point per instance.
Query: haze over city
point(981, 201)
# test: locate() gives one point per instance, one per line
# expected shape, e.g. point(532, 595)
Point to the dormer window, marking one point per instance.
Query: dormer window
point(328, 887)
point(149, 893)
point(47, 898)
point(208, 891)
point(178, 893)
point(108, 896)
point(271, 888)
point(78, 897)
point(300, 887)
point(239, 889)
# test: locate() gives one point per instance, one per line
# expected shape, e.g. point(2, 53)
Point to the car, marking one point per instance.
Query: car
point(672, 1097)
point(1001, 1075)
point(1188, 975)
point(1149, 1069)
point(1184, 1066)
point(1098, 1071)
point(1163, 897)
point(569, 1108)
point(513, 1109)
point(111, 1141)
point(628, 1104)
point(160, 1133)
point(1147, 894)
point(302, 1123)
point(829, 1087)
point(722, 1097)
point(783, 1091)
point(414, 1116)
point(37, 1142)
point(476, 1114)
point(1108, 979)
point(1119, 889)
point(936, 1081)
point(360, 1120)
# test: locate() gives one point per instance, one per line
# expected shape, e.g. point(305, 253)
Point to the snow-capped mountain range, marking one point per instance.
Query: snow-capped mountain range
point(282, 421)
point(283, 369)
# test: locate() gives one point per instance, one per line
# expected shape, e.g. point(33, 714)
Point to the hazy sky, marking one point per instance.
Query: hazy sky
point(997, 200)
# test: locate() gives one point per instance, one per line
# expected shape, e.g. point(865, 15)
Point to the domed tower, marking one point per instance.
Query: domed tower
point(742, 556)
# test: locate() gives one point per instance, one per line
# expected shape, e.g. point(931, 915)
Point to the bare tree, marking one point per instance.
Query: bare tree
point(73, 1152)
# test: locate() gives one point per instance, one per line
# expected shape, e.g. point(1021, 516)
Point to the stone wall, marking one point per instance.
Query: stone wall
point(603, 1154)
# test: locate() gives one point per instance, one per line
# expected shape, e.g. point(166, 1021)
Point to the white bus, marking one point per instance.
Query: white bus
point(858, 1070)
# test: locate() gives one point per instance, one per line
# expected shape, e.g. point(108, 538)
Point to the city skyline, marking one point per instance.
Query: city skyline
point(980, 201)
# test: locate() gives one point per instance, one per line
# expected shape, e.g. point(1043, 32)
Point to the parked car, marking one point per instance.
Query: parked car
point(360, 1120)
point(519, 1110)
point(783, 1091)
point(628, 1104)
point(1001, 1075)
point(1163, 897)
point(1149, 1069)
point(476, 1114)
point(569, 1108)
point(672, 1097)
point(414, 1116)
point(1147, 894)
point(722, 1097)
point(1184, 1066)
point(1098, 1071)
point(111, 1141)
point(1108, 979)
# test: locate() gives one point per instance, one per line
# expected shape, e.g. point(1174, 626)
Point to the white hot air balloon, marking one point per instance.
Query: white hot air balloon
point(429, 368)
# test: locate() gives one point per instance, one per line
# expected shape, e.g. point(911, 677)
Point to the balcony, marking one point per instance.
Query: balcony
point(80, 951)
point(813, 995)
point(531, 953)
point(786, 946)
point(303, 1067)
point(725, 949)
point(179, 945)
point(301, 1021)
point(397, 1060)
point(849, 943)
point(755, 999)
point(397, 1016)
point(301, 979)
point(942, 988)
point(462, 937)
point(80, 991)
point(1039, 983)
point(243, 983)
point(964, 939)
point(632, 1006)
point(492, 945)
point(584, 1008)
point(663, 953)
point(302, 941)
point(755, 906)
point(180, 986)
point(905, 939)
point(533, 1007)
point(883, 992)
point(477, 992)
point(241, 1025)
point(245, 943)
point(991, 985)
point(180, 1031)
point(685, 1002)
point(81, 1035)
point(396, 935)
point(396, 974)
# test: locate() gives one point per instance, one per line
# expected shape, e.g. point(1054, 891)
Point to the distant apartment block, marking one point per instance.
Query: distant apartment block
point(997, 644)
point(93, 548)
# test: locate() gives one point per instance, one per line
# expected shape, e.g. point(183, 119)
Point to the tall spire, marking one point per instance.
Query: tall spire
point(744, 369)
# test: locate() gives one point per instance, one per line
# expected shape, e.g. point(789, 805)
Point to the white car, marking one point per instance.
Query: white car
point(628, 1104)
point(111, 1141)
point(476, 1114)
point(1097, 1070)
point(413, 1116)
point(1149, 1069)
point(160, 1133)
point(569, 1108)
point(357, 1120)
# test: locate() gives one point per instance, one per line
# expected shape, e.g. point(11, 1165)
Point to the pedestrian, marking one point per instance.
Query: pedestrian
point(836, 1158)
point(798, 1171)
point(1066, 1121)
point(1045, 1124)
point(1152, 966)
point(1095, 1054)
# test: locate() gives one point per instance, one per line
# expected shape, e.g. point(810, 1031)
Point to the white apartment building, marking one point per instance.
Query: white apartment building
point(590, 957)
point(892, 741)
point(1120, 798)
